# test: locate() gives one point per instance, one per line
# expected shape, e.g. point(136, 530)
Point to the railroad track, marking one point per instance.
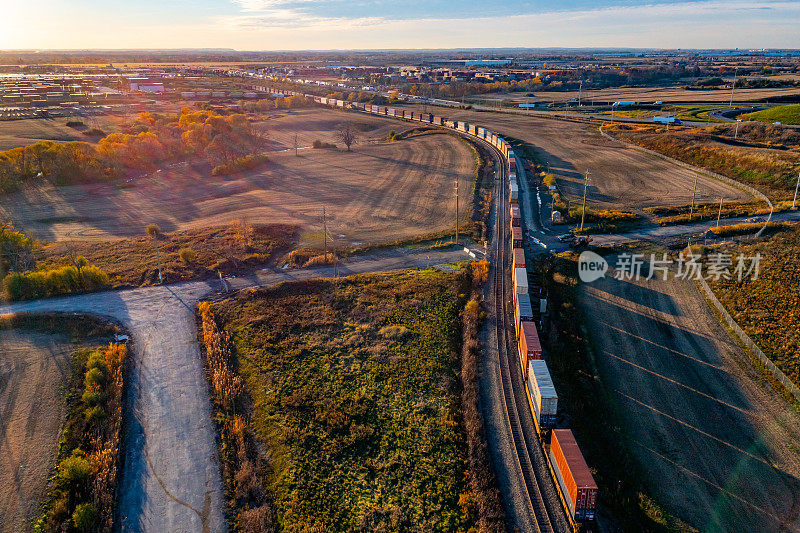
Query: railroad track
point(540, 491)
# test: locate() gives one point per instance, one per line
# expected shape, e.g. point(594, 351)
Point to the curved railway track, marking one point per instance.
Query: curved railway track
point(539, 487)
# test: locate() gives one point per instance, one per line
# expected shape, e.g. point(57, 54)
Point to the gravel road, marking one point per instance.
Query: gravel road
point(171, 480)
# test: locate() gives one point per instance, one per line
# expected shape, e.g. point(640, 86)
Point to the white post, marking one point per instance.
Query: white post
point(719, 213)
point(583, 210)
point(736, 134)
point(794, 202)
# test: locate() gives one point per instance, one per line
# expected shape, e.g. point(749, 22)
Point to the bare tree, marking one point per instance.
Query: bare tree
point(347, 133)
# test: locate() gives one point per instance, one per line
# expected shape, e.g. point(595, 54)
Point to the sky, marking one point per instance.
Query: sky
point(360, 24)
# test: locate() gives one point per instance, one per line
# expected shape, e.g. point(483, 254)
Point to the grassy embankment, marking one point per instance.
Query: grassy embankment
point(184, 255)
point(768, 308)
point(772, 171)
point(351, 405)
point(83, 489)
point(624, 499)
point(785, 114)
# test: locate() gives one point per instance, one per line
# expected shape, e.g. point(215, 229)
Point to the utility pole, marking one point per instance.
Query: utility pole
point(794, 202)
point(158, 260)
point(733, 86)
point(324, 236)
point(736, 133)
point(295, 145)
point(580, 93)
point(456, 211)
point(719, 213)
point(694, 192)
point(583, 210)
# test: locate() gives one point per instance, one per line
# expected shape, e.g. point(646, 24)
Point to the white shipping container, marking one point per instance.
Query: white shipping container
point(520, 281)
point(543, 393)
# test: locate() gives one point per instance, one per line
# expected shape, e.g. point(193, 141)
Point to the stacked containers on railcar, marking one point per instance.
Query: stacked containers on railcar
point(530, 347)
point(519, 258)
point(513, 190)
point(522, 312)
point(516, 219)
point(516, 237)
point(543, 393)
point(573, 475)
point(473, 129)
point(520, 276)
point(427, 117)
point(461, 126)
point(392, 112)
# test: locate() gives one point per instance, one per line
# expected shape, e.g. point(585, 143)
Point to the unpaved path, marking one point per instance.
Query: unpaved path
point(171, 480)
point(717, 445)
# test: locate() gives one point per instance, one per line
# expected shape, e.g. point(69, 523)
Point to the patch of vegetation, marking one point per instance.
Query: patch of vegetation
point(751, 228)
point(785, 114)
point(132, 262)
point(758, 132)
point(78, 328)
point(83, 494)
point(774, 172)
point(240, 164)
point(767, 307)
point(350, 388)
point(582, 396)
point(670, 215)
point(70, 279)
point(323, 145)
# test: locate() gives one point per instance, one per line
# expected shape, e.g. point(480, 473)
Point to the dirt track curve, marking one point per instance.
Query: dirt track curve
point(171, 480)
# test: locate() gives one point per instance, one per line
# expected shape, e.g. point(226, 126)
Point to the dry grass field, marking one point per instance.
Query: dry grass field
point(645, 95)
point(620, 177)
point(381, 191)
point(15, 133)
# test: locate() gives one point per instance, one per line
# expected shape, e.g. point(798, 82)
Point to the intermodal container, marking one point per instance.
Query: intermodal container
point(529, 346)
point(392, 112)
point(516, 220)
point(522, 311)
point(516, 237)
point(512, 175)
point(574, 477)
point(520, 281)
point(514, 192)
point(519, 258)
point(543, 393)
point(511, 154)
point(427, 117)
point(461, 126)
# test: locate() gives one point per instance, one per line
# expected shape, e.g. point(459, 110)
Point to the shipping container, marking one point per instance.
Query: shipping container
point(514, 192)
point(522, 312)
point(519, 258)
point(542, 392)
point(530, 348)
point(516, 220)
point(573, 475)
point(520, 281)
point(461, 126)
point(481, 132)
point(516, 237)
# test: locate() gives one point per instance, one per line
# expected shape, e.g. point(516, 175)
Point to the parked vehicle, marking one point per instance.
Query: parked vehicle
point(567, 237)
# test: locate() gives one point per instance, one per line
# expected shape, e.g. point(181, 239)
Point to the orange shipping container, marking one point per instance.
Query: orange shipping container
point(574, 477)
point(529, 345)
point(516, 237)
point(519, 258)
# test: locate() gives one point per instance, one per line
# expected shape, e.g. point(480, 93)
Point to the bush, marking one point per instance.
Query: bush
point(55, 282)
point(75, 124)
point(95, 132)
point(153, 230)
point(240, 164)
point(84, 517)
point(320, 144)
point(74, 470)
point(187, 255)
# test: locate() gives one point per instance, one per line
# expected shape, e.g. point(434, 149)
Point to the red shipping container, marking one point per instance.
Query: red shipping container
point(529, 345)
point(516, 220)
point(581, 489)
point(516, 237)
point(519, 258)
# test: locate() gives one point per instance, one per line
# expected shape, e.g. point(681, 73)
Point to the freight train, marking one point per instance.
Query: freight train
point(573, 477)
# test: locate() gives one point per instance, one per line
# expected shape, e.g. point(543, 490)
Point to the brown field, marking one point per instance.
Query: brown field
point(381, 191)
point(620, 177)
point(644, 95)
point(14, 133)
point(34, 367)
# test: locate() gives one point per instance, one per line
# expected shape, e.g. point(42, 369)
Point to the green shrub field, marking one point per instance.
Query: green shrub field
point(355, 401)
point(785, 114)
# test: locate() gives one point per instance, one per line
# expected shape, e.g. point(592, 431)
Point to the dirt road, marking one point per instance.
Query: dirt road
point(716, 444)
point(33, 369)
point(171, 480)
